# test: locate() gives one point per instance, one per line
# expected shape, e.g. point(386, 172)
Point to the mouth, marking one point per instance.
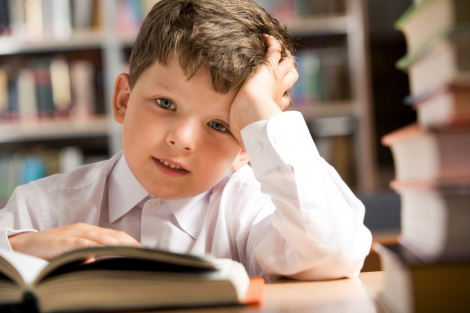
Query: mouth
point(172, 169)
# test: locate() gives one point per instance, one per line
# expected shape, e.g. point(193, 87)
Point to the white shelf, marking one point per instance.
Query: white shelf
point(79, 40)
point(321, 25)
point(51, 130)
point(329, 109)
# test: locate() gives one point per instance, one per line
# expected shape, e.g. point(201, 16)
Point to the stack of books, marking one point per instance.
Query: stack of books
point(429, 270)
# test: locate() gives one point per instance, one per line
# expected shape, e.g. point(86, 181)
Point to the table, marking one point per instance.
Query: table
point(335, 296)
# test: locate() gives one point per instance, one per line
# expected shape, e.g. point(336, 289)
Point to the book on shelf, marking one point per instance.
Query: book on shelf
point(124, 278)
point(83, 89)
point(447, 16)
point(4, 17)
point(446, 63)
point(42, 76)
point(82, 14)
point(440, 157)
point(3, 90)
point(434, 221)
point(445, 107)
point(414, 286)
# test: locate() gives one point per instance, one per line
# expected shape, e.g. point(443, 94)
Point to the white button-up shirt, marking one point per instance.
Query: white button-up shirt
point(290, 214)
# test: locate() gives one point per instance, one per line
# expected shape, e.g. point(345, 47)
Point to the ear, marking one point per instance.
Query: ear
point(122, 94)
point(241, 159)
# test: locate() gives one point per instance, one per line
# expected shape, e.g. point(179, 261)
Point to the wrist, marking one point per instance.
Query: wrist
point(15, 241)
point(254, 113)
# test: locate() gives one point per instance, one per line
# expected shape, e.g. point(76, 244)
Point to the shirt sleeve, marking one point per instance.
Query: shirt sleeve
point(20, 215)
point(316, 230)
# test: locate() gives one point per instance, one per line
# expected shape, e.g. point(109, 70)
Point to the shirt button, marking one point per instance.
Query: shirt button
point(156, 204)
point(280, 138)
point(152, 206)
point(257, 147)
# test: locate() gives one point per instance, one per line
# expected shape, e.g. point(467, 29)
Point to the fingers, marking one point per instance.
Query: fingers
point(285, 70)
point(105, 236)
point(71, 243)
point(286, 65)
point(273, 54)
point(291, 78)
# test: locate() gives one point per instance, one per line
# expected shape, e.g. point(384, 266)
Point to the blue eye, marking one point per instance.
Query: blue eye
point(217, 126)
point(166, 104)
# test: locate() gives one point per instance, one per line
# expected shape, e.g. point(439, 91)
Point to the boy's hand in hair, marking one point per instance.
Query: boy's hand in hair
point(49, 243)
point(262, 95)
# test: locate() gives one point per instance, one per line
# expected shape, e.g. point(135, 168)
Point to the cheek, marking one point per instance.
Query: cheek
point(219, 154)
point(140, 131)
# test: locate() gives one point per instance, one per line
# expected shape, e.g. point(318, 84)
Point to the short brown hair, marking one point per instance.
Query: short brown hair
point(224, 36)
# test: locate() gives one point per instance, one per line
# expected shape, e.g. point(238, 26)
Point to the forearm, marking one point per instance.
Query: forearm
point(19, 216)
point(317, 227)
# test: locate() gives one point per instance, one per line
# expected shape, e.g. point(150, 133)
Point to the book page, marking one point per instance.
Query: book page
point(28, 267)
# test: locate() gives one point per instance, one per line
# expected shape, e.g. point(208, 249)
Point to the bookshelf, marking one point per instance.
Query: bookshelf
point(53, 130)
point(112, 45)
point(353, 25)
point(79, 40)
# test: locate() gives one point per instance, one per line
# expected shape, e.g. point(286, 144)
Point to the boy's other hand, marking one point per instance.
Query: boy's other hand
point(262, 95)
point(49, 243)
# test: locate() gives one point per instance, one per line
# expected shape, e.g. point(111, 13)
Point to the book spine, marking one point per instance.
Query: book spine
point(60, 80)
point(27, 100)
point(5, 24)
point(43, 88)
point(61, 19)
point(3, 91)
point(82, 78)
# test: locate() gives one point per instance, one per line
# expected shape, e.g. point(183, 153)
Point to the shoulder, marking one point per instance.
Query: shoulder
point(81, 177)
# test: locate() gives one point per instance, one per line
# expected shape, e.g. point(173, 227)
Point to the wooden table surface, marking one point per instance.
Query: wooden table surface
point(336, 296)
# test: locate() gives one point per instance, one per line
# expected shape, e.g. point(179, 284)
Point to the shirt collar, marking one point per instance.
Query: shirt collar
point(124, 191)
point(191, 212)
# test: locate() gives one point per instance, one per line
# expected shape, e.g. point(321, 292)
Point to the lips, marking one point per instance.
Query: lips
point(170, 168)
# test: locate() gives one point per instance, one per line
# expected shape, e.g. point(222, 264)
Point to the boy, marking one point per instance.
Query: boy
point(204, 95)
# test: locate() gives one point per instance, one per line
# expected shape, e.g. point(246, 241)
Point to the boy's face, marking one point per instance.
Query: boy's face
point(167, 118)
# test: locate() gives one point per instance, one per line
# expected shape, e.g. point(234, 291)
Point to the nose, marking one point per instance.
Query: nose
point(182, 135)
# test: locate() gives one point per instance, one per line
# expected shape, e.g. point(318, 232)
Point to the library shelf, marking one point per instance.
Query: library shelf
point(78, 40)
point(327, 109)
point(318, 25)
point(51, 130)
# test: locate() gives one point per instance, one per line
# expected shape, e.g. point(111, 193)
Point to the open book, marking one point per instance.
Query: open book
point(124, 278)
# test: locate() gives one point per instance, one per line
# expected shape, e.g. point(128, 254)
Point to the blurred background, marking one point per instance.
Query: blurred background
point(59, 59)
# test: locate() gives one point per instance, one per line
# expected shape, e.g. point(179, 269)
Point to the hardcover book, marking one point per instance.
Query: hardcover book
point(123, 278)
point(413, 286)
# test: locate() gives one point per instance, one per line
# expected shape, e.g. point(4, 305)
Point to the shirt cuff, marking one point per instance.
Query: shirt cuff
point(284, 139)
point(5, 243)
